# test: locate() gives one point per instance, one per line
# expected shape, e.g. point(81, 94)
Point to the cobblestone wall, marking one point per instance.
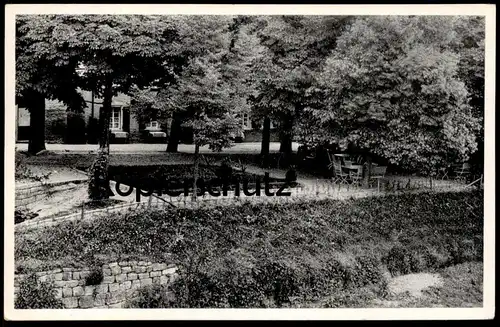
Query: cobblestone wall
point(121, 281)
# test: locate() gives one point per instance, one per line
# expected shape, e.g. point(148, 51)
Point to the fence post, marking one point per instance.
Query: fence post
point(83, 209)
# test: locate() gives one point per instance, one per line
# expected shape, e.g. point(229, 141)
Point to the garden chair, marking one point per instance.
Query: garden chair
point(348, 163)
point(331, 160)
point(442, 173)
point(360, 160)
point(340, 176)
point(377, 173)
point(356, 176)
point(461, 171)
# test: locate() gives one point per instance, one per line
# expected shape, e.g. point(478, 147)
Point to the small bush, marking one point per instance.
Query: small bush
point(95, 277)
point(224, 172)
point(34, 294)
point(98, 188)
point(93, 130)
point(291, 175)
point(367, 271)
point(464, 250)
point(152, 297)
point(21, 215)
point(22, 171)
point(400, 261)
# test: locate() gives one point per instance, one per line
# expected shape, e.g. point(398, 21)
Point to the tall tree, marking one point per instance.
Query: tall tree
point(211, 89)
point(197, 39)
point(42, 73)
point(471, 37)
point(391, 88)
point(118, 51)
point(296, 45)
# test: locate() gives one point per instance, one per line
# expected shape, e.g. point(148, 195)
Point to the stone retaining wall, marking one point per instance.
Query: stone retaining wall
point(30, 193)
point(36, 223)
point(121, 281)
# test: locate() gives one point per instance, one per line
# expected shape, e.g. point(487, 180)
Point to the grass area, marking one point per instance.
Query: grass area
point(284, 255)
point(83, 161)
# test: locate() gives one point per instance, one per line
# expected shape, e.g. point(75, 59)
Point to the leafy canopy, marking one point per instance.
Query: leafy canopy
point(391, 88)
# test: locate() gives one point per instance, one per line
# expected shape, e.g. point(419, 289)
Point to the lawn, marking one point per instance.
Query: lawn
point(312, 254)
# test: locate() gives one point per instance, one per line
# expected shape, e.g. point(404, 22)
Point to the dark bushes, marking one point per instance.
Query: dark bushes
point(34, 294)
point(151, 297)
point(75, 129)
point(21, 215)
point(93, 130)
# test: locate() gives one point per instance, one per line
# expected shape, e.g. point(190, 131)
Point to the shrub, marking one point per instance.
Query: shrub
point(291, 175)
point(367, 271)
point(21, 215)
point(93, 130)
point(56, 129)
point(95, 277)
point(224, 172)
point(34, 294)
point(98, 188)
point(22, 171)
point(75, 129)
point(464, 250)
point(151, 297)
point(400, 261)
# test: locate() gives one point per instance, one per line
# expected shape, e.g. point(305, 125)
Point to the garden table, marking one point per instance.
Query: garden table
point(342, 157)
point(352, 167)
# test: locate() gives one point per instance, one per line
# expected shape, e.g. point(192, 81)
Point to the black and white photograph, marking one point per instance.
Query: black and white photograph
point(247, 157)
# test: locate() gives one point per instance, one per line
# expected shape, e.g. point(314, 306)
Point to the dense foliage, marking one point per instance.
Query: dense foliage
point(409, 89)
point(392, 88)
point(34, 294)
point(43, 72)
point(277, 255)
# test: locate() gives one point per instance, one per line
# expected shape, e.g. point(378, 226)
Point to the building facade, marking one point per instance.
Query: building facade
point(60, 126)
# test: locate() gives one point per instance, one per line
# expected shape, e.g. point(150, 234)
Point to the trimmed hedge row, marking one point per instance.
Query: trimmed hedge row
point(277, 255)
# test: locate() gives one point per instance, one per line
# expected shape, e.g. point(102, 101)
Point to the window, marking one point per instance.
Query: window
point(115, 120)
point(153, 124)
point(271, 125)
point(247, 122)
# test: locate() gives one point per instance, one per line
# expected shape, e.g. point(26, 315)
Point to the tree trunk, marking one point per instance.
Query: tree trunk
point(286, 136)
point(36, 107)
point(368, 170)
point(99, 183)
point(196, 167)
point(266, 138)
point(105, 115)
point(175, 133)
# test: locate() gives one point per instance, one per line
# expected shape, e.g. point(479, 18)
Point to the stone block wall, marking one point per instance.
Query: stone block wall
point(121, 282)
point(28, 194)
